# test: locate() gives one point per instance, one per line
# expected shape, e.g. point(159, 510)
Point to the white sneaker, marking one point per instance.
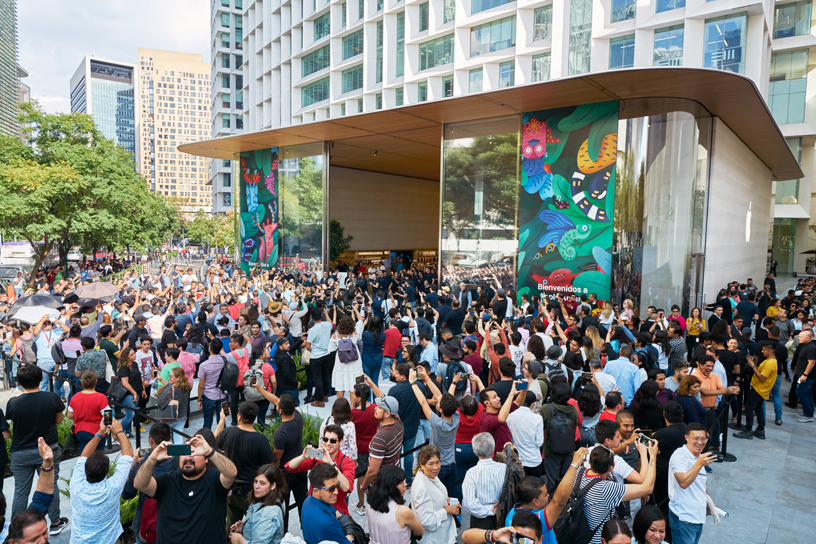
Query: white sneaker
point(358, 509)
point(805, 419)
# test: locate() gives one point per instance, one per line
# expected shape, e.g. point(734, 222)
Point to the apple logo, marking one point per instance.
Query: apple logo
point(748, 223)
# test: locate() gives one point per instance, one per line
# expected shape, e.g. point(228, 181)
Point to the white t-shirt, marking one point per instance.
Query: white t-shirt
point(688, 504)
point(621, 471)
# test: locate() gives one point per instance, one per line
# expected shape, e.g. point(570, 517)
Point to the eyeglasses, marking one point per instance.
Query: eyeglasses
point(698, 439)
point(330, 440)
point(330, 489)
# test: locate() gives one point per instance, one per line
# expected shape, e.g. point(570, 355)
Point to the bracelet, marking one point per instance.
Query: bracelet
point(102, 436)
point(209, 455)
point(123, 432)
point(49, 469)
point(489, 536)
point(575, 466)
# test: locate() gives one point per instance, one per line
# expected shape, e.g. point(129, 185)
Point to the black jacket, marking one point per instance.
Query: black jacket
point(287, 371)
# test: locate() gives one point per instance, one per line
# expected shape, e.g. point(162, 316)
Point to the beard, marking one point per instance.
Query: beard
point(192, 469)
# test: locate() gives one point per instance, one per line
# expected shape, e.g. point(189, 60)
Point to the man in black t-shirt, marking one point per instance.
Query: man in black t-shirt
point(669, 438)
point(191, 503)
point(249, 450)
point(288, 444)
point(806, 371)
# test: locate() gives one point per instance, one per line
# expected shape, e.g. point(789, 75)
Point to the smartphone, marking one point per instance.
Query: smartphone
point(587, 375)
point(646, 440)
point(719, 458)
point(175, 450)
point(225, 407)
point(145, 452)
point(108, 417)
point(314, 453)
point(521, 385)
point(253, 380)
point(467, 375)
point(454, 500)
point(359, 380)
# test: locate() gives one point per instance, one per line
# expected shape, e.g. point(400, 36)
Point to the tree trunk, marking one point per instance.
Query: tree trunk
point(45, 249)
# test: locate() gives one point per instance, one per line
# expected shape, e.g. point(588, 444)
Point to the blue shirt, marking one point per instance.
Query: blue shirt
point(626, 376)
point(431, 356)
point(540, 514)
point(43, 342)
point(96, 506)
point(319, 337)
point(319, 522)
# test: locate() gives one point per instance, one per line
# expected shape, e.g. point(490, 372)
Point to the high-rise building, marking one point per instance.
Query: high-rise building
point(23, 96)
point(319, 59)
point(173, 109)
point(227, 91)
point(8, 67)
point(106, 91)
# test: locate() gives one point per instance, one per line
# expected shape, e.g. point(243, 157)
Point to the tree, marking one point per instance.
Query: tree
point(214, 230)
point(69, 185)
point(337, 242)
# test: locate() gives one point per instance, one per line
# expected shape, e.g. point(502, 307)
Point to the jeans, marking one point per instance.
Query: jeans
point(684, 532)
point(465, 460)
point(777, 398)
point(128, 419)
point(59, 383)
point(46, 366)
point(299, 490)
point(178, 425)
point(209, 406)
point(24, 464)
point(263, 407)
point(294, 392)
point(373, 372)
point(387, 363)
point(321, 370)
point(754, 404)
point(447, 475)
point(408, 466)
point(83, 437)
point(423, 432)
point(805, 392)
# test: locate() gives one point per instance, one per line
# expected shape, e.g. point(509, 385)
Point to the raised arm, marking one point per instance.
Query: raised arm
point(420, 396)
point(505, 409)
point(564, 489)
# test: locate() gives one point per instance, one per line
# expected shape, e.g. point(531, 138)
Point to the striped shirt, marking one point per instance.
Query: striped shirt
point(387, 443)
point(600, 503)
point(482, 487)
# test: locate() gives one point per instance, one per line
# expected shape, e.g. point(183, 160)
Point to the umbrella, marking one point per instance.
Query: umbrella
point(49, 301)
point(92, 293)
point(32, 314)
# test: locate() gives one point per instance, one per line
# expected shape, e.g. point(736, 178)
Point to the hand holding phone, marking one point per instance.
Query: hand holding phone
point(225, 408)
point(108, 417)
point(177, 450)
point(314, 453)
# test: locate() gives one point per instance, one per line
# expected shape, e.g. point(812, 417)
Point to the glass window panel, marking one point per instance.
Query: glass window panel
point(378, 101)
point(477, 6)
point(623, 10)
point(541, 67)
point(353, 45)
point(449, 11)
point(422, 91)
point(225, 60)
point(343, 109)
point(225, 81)
point(343, 15)
point(300, 201)
point(542, 23)
point(436, 52)
point(322, 26)
point(424, 16)
point(475, 81)
point(447, 86)
point(225, 20)
point(788, 86)
point(315, 92)
point(668, 46)
point(399, 96)
point(507, 74)
point(668, 5)
point(361, 9)
point(316, 60)
point(580, 36)
point(379, 70)
point(792, 19)
point(353, 78)
point(359, 105)
point(400, 44)
point(493, 36)
point(225, 40)
point(725, 43)
point(622, 52)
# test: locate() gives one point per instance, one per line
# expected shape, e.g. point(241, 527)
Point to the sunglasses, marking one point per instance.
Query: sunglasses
point(388, 406)
point(330, 489)
point(330, 440)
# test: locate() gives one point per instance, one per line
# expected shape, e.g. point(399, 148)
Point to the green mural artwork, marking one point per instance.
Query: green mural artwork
point(258, 222)
point(567, 200)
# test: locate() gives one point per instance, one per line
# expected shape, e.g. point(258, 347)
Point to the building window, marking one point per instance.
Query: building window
point(225, 40)
point(239, 4)
point(322, 26)
point(343, 15)
point(239, 122)
point(475, 81)
point(353, 45)
point(225, 100)
point(379, 5)
point(239, 100)
point(424, 16)
point(379, 68)
point(359, 105)
point(725, 43)
point(622, 52)
point(225, 60)
point(225, 3)
point(239, 82)
point(623, 10)
point(668, 5)
point(580, 36)
point(668, 46)
point(788, 88)
point(315, 92)
point(422, 91)
point(225, 81)
point(493, 36)
point(239, 38)
point(542, 23)
point(792, 19)
point(361, 9)
point(447, 86)
point(507, 74)
point(478, 6)
point(787, 192)
point(353, 78)
point(436, 52)
point(449, 11)
point(342, 109)
point(378, 101)
point(225, 20)
point(316, 61)
point(225, 120)
point(399, 96)
point(400, 44)
point(541, 67)
point(226, 180)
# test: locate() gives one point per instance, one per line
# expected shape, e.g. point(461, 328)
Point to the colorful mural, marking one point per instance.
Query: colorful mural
point(258, 200)
point(567, 199)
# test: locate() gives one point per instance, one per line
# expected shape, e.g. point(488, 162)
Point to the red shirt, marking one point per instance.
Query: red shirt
point(366, 426)
point(469, 426)
point(608, 416)
point(500, 431)
point(87, 409)
point(475, 361)
point(347, 467)
point(393, 341)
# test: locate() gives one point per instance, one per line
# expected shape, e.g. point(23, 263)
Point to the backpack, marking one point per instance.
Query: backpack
point(455, 367)
point(250, 393)
point(28, 351)
point(147, 523)
point(572, 525)
point(545, 382)
point(347, 350)
point(227, 378)
point(560, 433)
point(587, 436)
point(553, 370)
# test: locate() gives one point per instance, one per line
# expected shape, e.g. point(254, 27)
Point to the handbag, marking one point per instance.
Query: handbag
point(70, 440)
point(305, 357)
point(171, 410)
point(117, 391)
point(109, 374)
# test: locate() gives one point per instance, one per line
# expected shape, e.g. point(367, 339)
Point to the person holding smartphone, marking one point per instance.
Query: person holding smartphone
point(86, 409)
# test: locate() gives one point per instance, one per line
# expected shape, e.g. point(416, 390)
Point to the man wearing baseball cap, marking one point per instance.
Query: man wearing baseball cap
point(138, 333)
point(386, 446)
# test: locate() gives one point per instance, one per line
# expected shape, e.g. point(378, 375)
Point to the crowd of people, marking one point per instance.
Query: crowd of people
point(560, 418)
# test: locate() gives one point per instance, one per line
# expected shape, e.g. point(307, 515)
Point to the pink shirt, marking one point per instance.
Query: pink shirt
point(188, 364)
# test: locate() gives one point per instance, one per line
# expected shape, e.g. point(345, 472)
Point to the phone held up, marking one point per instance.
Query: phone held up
point(175, 450)
point(314, 453)
point(108, 415)
point(225, 407)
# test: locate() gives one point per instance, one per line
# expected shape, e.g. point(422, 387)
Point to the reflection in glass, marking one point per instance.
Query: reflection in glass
point(788, 86)
point(725, 43)
point(480, 201)
point(580, 36)
point(784, 240)
point(301, 206)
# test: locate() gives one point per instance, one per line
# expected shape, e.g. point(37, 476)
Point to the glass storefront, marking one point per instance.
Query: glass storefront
point(784, 239)
point(301, 205)
point(479, 231)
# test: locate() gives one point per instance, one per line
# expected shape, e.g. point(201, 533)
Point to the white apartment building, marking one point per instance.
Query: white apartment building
point(309, 60)
point(227, 57)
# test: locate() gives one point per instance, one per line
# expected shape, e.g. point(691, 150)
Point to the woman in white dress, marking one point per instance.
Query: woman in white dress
point(430, 501)
point(344, 374)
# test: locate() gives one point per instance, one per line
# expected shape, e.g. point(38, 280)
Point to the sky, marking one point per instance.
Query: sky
point(55, 35)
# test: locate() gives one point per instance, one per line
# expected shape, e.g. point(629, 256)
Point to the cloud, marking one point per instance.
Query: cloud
point(55, 35)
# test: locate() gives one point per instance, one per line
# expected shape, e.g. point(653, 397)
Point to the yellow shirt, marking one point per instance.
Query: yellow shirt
point(772, 311)
point(695, 326)
point(767, 368)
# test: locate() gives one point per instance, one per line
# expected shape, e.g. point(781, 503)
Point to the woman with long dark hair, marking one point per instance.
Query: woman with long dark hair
point(373, 338)
point(661, 342)
point(390, 521)
point(263, 522)
point(590, 404)
point(341, 415)
point(695, 324)
point(649, 526)
point(615, 532)
point(646, 409)
point(693, 410)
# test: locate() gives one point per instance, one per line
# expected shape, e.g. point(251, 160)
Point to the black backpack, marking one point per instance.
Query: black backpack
point(572, 525)
point(560, 433)
point(228, 377)
point(455, 367)
point(553, 370)
point(545, 383)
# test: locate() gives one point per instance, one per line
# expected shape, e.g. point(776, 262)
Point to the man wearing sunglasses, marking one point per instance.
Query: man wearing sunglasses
point(320, 518)
point(333, 457)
